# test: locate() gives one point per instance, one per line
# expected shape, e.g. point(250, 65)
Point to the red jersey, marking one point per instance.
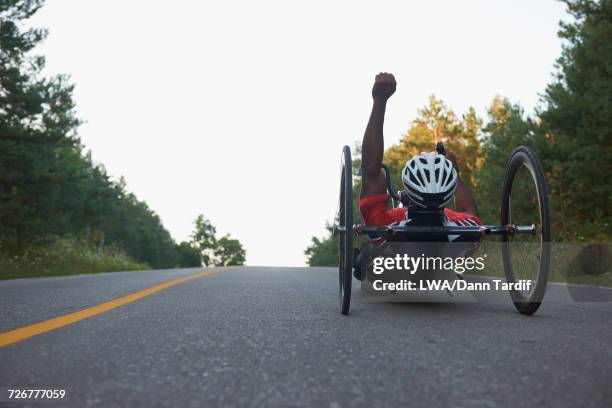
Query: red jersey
point(375, 213)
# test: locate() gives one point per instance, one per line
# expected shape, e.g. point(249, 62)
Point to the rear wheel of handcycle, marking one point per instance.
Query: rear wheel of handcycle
point(345, 222)
point(524, 202)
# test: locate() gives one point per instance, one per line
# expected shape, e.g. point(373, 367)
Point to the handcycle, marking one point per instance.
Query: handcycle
point(524, 213)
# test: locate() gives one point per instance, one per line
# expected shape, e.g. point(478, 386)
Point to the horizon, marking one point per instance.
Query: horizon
point(171, 110)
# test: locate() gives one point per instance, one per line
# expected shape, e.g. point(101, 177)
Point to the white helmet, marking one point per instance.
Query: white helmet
point(429, 180)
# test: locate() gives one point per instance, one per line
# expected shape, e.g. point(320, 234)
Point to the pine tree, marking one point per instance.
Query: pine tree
point(578, 115)
point(39, 149)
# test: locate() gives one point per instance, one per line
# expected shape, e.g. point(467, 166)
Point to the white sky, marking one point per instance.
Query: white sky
point(239, 109)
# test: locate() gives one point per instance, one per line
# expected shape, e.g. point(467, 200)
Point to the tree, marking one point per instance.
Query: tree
point(203, 238)
point(323, 251)
point(437, 123)
point(229, 251)
point(187, 256)
point(39, 149)
point(221, 252)
point(506, 129)
point(578, 115)
point(48, 187)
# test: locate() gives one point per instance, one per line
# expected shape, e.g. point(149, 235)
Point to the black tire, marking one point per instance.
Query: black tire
point(525, 202)
point(345, 221)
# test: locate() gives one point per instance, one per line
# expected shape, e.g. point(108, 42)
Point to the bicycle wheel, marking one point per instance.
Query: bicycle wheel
point(525, 202)
point(345, 220)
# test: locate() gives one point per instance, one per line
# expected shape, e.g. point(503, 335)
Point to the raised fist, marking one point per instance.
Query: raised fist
point(384, 86)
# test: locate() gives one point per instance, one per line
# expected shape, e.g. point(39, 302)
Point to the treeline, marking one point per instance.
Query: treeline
point(49, 188)
point(571, 133)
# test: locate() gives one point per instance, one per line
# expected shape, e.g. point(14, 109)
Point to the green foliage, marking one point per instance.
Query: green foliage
point(48, 187)
point(187, 256)
point(436, 122)
point(212, 251)
point(505, 130)
point(578, 115)
point(229, 251)
point(203, 238)
point(65, 256)
point(323, 251)
point(39, 150)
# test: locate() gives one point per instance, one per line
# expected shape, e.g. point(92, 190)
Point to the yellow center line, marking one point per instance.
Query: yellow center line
point(35, 329)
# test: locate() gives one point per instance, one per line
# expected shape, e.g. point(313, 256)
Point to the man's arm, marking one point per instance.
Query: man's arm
point(464, 200)
point(373, 146)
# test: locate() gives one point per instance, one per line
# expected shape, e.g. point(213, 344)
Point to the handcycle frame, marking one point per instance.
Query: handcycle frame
point(471, 232)
point(406, 233)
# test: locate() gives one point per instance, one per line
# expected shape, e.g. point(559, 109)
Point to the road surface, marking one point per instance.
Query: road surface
point(266, 336)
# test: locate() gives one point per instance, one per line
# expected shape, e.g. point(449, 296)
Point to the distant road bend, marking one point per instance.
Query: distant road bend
point(265, 336)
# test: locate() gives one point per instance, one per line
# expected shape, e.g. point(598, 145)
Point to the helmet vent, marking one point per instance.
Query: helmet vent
point(422, 182)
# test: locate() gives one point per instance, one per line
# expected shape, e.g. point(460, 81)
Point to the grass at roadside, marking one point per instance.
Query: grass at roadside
point(65, 257)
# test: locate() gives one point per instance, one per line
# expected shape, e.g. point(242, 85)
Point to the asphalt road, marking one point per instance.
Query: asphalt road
point(264, 336)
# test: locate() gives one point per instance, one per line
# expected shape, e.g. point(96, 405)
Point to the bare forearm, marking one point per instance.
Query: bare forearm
point(373, 144)
point(464, 200)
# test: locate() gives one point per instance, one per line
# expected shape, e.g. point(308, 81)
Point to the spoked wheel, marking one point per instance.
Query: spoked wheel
point(345, 223)
point(525, 202)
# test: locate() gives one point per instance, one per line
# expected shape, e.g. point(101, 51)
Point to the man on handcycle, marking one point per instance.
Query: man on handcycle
point(430, 180)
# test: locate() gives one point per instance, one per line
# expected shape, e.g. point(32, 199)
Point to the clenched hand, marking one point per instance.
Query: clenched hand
point(384, 87)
